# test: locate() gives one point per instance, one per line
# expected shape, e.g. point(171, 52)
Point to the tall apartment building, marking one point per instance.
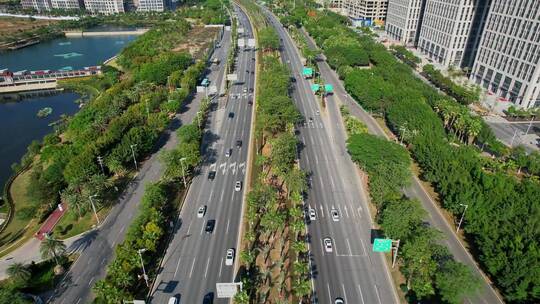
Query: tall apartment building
point(445, 33)
point(403, 20)
point(508, 59)
point(66, 4)
point(104, 6)
point(367, 12)
point(38, 5)
point(150, 5)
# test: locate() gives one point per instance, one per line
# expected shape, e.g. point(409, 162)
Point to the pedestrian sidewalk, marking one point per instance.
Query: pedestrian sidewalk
point(29, 251)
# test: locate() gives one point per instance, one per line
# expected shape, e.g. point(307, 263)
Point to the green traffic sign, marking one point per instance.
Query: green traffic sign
point(315, 87)
point(382, 245)
point(307, 72)
point(328, 88)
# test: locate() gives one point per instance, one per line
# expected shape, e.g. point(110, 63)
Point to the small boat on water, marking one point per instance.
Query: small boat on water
point(44, 112)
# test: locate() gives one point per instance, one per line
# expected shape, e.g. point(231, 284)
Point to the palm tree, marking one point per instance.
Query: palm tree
point(52, 248)
point(18, 272)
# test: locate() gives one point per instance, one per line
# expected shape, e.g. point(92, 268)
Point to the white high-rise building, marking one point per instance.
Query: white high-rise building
point(508, 59)
point(66, 4)
point(367, 12)
point(104, 6)
point(150, 5)
point(445, 30)
point(38, 5)
point(403, 20)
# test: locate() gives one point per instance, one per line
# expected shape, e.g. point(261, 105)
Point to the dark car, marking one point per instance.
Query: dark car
point(211, 175)
point(238, 143)
point(210, 224)
point(250, 102)
point(293, 79)
point(251, 90)
point(208, 298)
point(231, 114)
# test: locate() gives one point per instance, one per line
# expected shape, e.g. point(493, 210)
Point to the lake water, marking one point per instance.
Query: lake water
point(19, 124)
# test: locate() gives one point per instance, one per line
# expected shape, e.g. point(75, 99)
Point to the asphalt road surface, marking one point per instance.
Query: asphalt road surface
point(487, 293)
point(97, 247)
point(351, 271)
point(195, 260)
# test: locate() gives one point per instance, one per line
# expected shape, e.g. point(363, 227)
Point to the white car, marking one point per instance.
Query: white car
point(245, 90)
point(229, 257)
point(339, 301)
point(312, 214)
point(228, 153)
point(172, 300)
point(335, 215)
point(238, 186)
point(328, 245)
point(201, 212)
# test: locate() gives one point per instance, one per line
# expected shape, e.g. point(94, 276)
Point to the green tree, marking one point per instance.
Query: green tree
point(19, 273)
point(400, 219)
point(455, 281)
point(268, 39)
point(8, 295)
point(52, 248)
point(419, 266)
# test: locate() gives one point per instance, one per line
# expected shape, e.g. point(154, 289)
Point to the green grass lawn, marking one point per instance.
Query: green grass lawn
point(17, 228)
point(70, 225)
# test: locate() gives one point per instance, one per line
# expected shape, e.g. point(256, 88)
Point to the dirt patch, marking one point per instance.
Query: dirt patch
point(200, 39)
point(10, 26)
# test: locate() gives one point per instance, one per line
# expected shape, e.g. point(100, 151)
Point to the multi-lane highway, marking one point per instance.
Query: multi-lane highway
point(487, 293)
point(351, 271)
point(97, 247)
point(195, 259)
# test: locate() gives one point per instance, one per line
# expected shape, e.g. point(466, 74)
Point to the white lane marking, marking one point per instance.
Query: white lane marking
point(192, 265)
point(316, 159)
point(177, 265)
point(377, 293)
point(91, 280)
point(329, 295)
point(222, 193)
point(202, 228)
point(344, 293)
point(363, 247)
point(361, 295)
point(227, 230)
point(307, 158)
point(339, 209)
point(123, 227)
point(189, 227)
point(346, 211)
point(349, 246)
point(220, 266)
point(332, 182)
point(207, 263)
point(359, 212)
point(322, 211)
point(78, 301)
point(321, 125)
point(89, 261)
point(211, 193)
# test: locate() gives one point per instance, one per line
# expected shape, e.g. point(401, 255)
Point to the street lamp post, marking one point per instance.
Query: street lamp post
point(513, 137)
point(183, 170)
point(140, 251)
point(462, 216)
point(133, 154)
point(94, 207)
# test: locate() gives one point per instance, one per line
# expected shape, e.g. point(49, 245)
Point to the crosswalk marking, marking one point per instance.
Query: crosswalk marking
point(233, 167)
point(223, 168)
